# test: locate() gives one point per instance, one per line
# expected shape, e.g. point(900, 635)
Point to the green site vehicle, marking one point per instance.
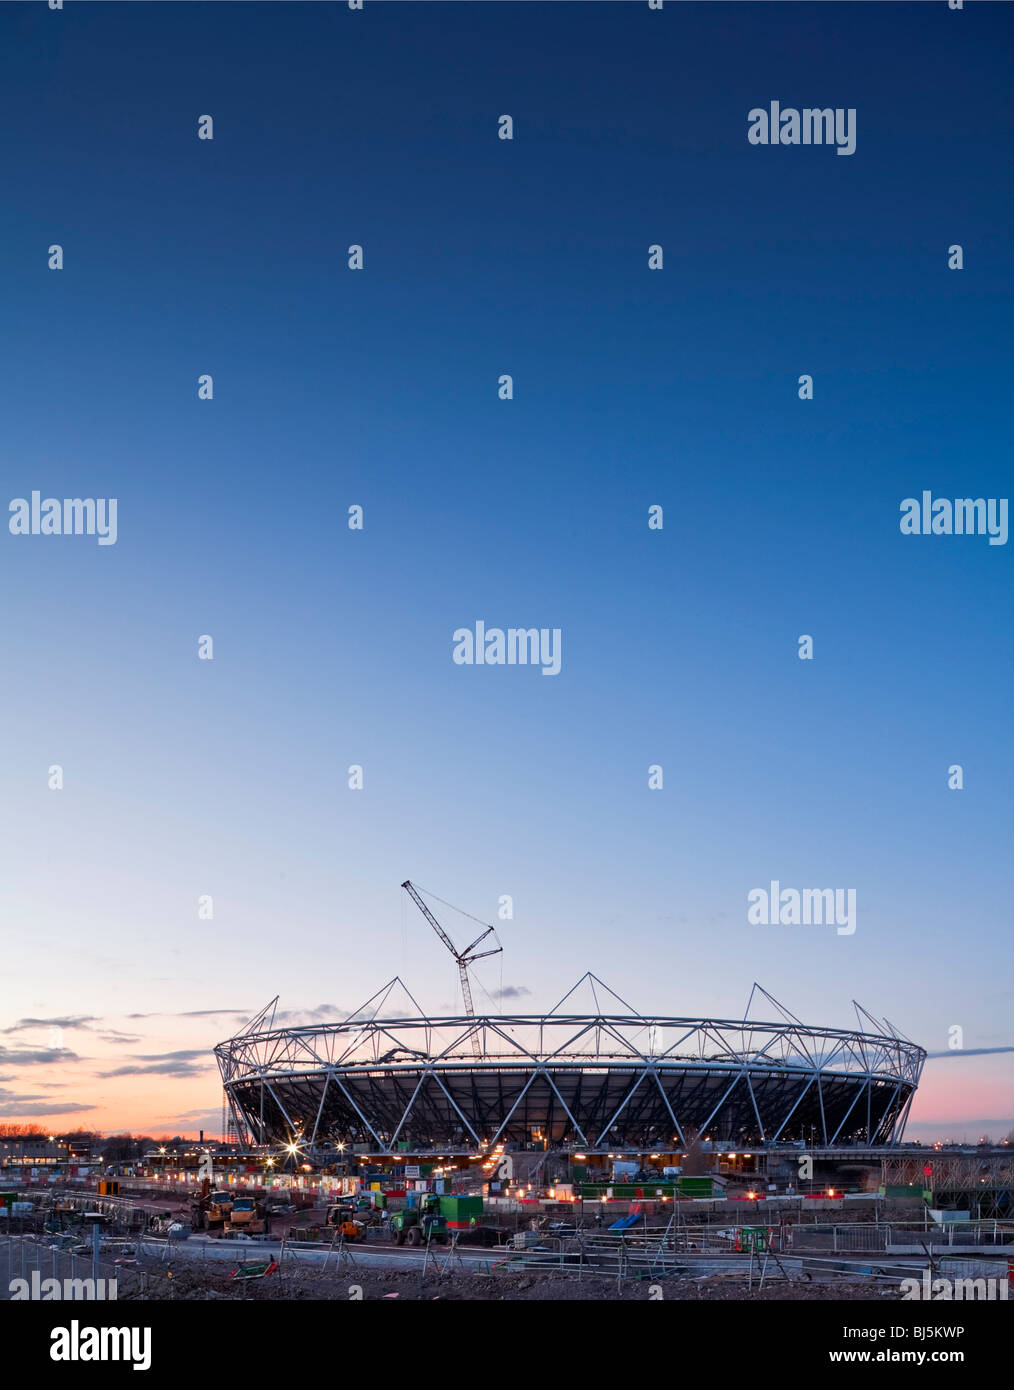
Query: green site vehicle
point(420, 1225)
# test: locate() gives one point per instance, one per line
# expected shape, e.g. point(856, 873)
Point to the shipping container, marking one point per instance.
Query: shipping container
point(461, 1210)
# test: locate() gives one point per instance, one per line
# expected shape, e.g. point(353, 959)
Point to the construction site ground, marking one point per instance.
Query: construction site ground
point(353, 1283)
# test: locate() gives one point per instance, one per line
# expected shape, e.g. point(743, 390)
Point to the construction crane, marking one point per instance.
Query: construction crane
point(464, 958)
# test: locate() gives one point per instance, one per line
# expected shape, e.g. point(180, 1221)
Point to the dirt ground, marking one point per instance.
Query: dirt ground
point(402, 1285)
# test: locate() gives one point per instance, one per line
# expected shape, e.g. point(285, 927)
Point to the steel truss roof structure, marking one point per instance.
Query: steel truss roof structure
point(611, 1078)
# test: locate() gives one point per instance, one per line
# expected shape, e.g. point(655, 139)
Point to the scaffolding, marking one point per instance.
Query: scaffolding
point(981, 1183)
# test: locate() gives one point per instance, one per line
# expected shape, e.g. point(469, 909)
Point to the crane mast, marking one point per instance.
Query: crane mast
point(464, 958)
point(466, 990)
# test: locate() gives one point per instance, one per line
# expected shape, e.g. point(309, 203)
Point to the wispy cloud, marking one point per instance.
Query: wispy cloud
point(27, 1057)
point(70, 1021)
point(243, 1014)
point(217, 1013)
point(181, 1064)
point(178, 1069)
point(323, 1013)
point(16, 1109)
point(210, 1120)
point(967, 1052)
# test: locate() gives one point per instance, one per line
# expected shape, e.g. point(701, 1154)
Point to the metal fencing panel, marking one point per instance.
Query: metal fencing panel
point(29, 1267)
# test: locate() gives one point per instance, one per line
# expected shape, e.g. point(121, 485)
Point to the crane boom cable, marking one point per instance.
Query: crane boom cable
point(450, 905)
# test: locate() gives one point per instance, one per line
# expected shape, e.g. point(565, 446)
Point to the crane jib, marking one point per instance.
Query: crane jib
point(463, 958)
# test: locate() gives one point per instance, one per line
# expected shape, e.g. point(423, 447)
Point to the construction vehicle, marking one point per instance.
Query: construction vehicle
point(246, 1218)
point(342, 1218)
point(420, 1225)
point(209, 1211)
point(350, 1230)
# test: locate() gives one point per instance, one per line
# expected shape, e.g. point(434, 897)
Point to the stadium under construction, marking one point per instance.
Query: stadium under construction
point(600, 1080)
point(391, 1080)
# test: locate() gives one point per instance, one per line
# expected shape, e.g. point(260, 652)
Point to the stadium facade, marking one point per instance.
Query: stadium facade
point(605, 1079)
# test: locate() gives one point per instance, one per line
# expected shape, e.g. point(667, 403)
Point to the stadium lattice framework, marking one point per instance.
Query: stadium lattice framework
point(607, 1079)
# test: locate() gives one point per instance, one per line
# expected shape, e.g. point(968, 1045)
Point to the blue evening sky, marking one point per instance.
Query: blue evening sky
point(632, 388)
